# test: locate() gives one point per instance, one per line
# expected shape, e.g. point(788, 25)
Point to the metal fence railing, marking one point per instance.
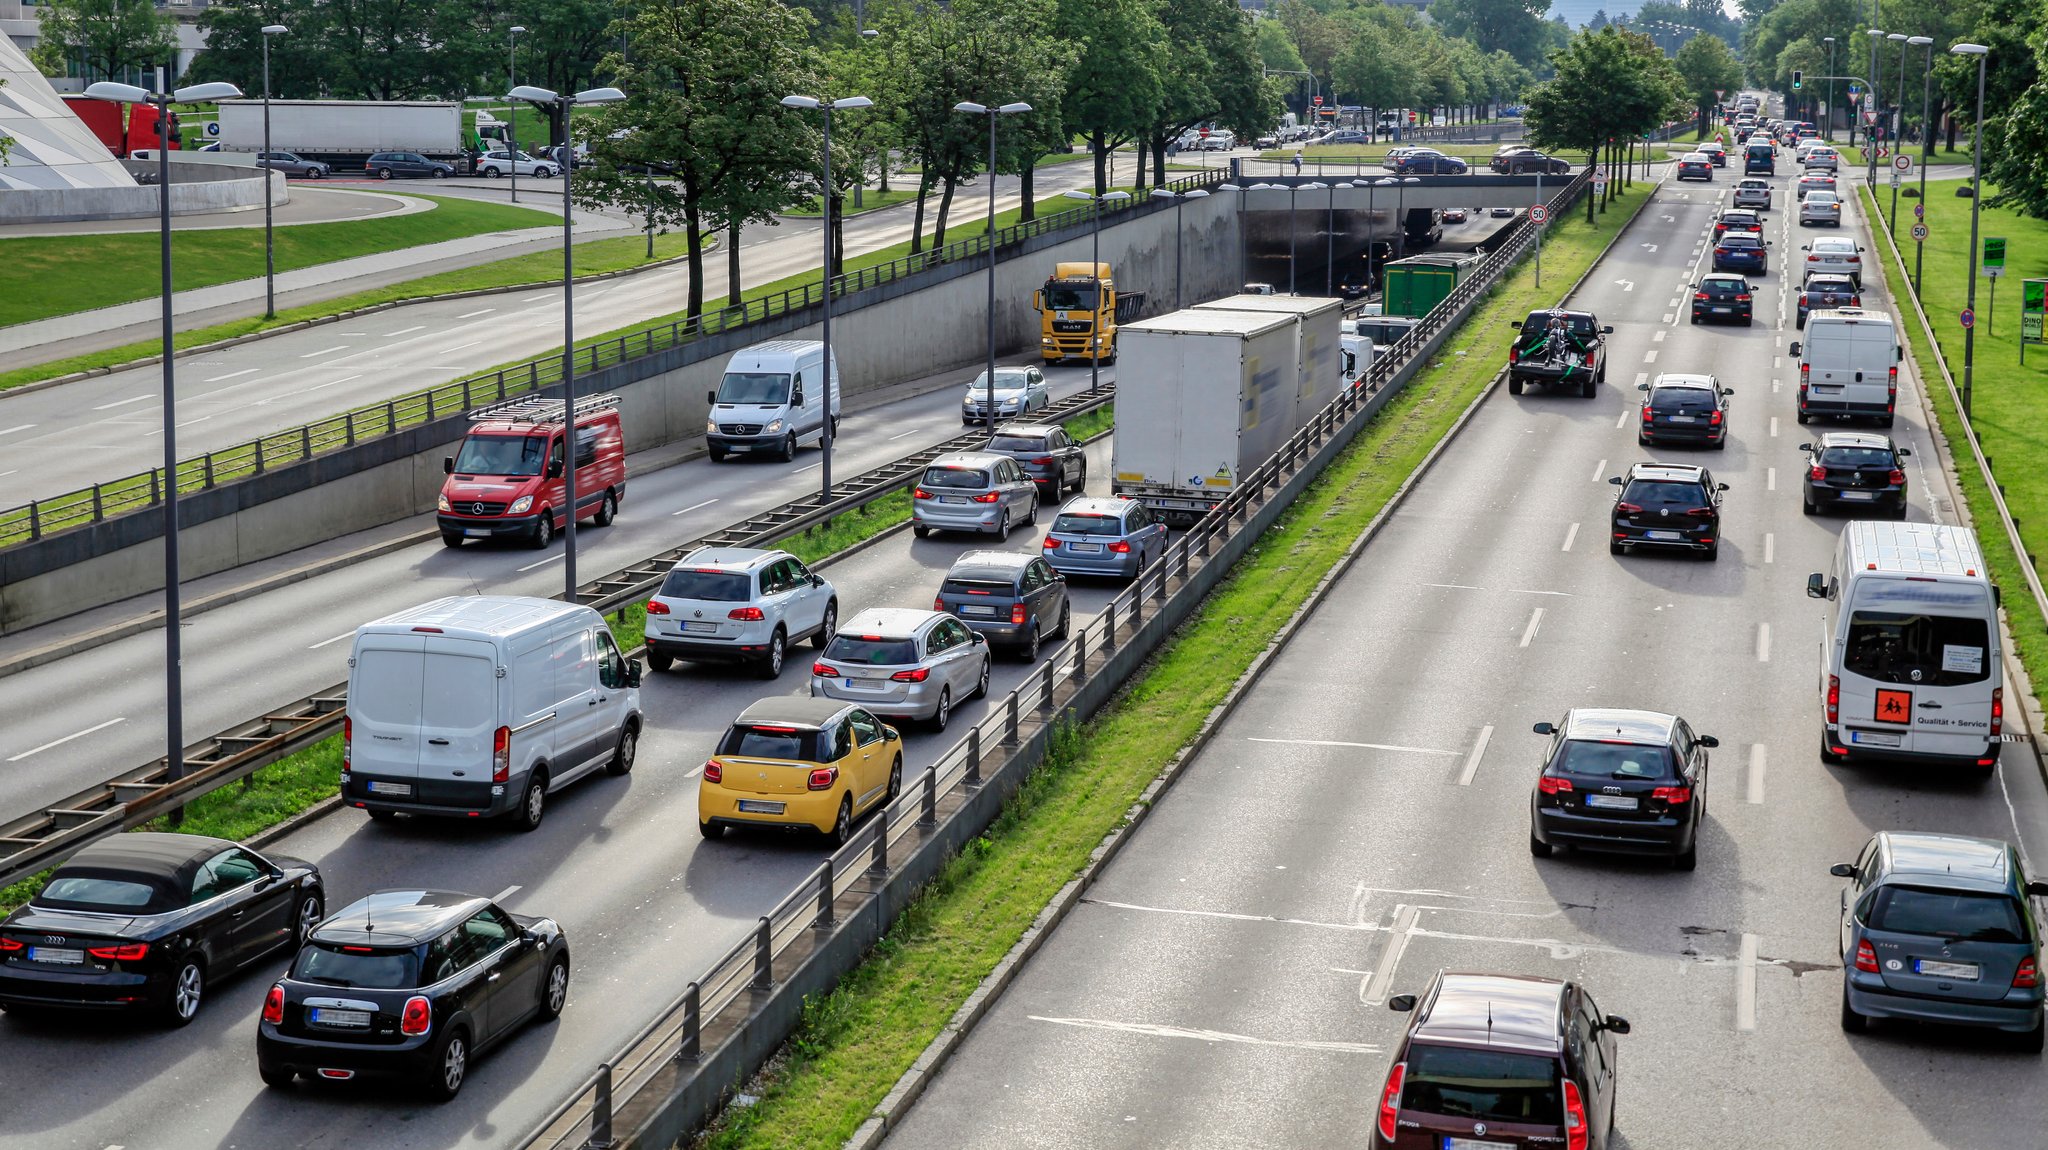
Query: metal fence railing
point(141, 491)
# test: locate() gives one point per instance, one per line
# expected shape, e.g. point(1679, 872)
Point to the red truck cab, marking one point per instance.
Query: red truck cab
point(508, 477)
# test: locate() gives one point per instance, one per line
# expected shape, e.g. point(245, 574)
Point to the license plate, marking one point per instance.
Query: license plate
point(761, 807)
point(474, 532)
point(329, 1016)
point(1474, 1144)
point(1876, 738)
point(1865, 495)
point(1662, 534)
point(977, 609)
point(64, 955)
point(952, 499)
point(1720, 311)
point(1088, 548)
point(1688, 418)
point(700, 628)
point(1965, 970)
point(1611, 802)
point(382, 788)
point(869, 684)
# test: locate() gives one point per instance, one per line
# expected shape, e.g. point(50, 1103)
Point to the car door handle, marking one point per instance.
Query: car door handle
point(438, 742)
point(596, 701)
point(491, 977)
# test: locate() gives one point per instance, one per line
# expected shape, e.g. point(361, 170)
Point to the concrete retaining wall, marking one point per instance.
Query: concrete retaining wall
point(907, 329)
point(196, 189)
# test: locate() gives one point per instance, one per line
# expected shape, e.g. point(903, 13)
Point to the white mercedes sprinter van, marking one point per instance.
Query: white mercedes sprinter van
point(479, 706)
point(772, 400)
point(1849, 365)
point(1909, 659)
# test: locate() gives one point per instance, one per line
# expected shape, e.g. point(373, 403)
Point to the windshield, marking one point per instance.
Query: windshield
point(1960, 915)
point(362, 966)
point(500, 455)
point(1005, 381)
point(1483, 1085)
point(1917, 647)
point(767, 387)
point(871, 650)
point(1068, 297)
point(966, 478)
point(708, 584)
point(1087, 525)
point(1614, 760)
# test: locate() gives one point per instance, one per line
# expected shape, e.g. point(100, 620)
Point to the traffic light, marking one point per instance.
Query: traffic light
point(1797, 83)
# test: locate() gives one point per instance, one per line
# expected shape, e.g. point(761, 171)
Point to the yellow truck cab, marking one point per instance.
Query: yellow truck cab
point(798, 763)
point(1079, 309)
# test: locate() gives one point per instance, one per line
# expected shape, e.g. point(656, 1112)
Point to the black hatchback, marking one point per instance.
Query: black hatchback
point(1726, 297)
point(1852, 470)
point(1012, 600)
point(1684, 409)
point(410, 985)
point(1666, 505)
point(1621, 780)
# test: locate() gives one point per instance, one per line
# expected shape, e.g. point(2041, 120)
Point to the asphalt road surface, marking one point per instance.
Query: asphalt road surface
point(1360, 821)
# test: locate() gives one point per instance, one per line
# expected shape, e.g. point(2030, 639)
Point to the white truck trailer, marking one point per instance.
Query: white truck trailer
point(345, 133)
point(1318, 343)
point(1202, 398)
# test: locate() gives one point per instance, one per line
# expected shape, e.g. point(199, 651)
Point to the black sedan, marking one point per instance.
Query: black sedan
point(1621, 780)
point(1520, 163)
point(1723, 297)
point(1851, 470)
point(1432, 164)
point(1685, 409)
point(1666, 505)
point(1695, 166)
point(410, 985)
point(147, 921)
point(1826, 291)
point(1742, 252)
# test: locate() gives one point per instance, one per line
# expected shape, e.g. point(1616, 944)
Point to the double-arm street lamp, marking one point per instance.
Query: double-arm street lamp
point(813, 104)
point(174, 694)
point(1976, 198)
point(269, 252)
point(993, 113)
point(1898, 121)
point(1094, 269)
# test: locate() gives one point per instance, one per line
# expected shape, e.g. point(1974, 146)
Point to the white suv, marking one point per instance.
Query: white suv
point(739, 605)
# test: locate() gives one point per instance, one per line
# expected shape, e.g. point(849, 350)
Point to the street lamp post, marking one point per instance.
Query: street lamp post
point(1976, 198)
point(1178, 199)
point(1898, 123)
point(162, 99)
point(511, 115)
point(558, 106)
point(1095, 266)
point(993, 113)
point(1401, 213)
point(269, 253)
point(1876, 101)
point(1926, 141)
point(827, 107)
point(1830, 117)
point(1330, 238)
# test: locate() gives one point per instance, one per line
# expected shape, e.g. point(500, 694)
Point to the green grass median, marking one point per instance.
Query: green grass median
point(855, 1042)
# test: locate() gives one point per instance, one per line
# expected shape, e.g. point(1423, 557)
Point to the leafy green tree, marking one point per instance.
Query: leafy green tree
point(105, 38)
point(1610, 85)
point(380, 49)
point(1511, 26)
point(1113, 88)
point(1371, 72)
point(1215, 77)
point(1707, 67)
point(234, 47)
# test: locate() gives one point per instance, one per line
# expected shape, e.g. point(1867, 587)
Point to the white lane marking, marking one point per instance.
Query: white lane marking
point(1367, 927)
point(1774, 427)
point(124, 402)
point(1652, 248)
point(1650, 356)
point(1527, 591)
point(807, 467)
point(1157, 1031)
point(905, 435)
point(1365, 746)
point(1770, 546)
point(230, 375)
point(1745, 985)
point(406, 330)
point(1659, 337)
point(1775, 384)
point(1452, 586)
point(508, 892)
point(694, 771)
point(19, 427)
point(1627, 285)
point(1529, 632)
point(1621, 422)
point(474, 314)
point(5, 474)
point(325, 351)
point(1348, 970)
point(457, 347)
point(543, 295)
point(546, 561)
point(1570, 534)
point(1667, 317)
point(336, 639)
point(1756, 773)
point(1777, 361)
point(1642, 377)
point(306, 390)
point(1598, 469)
point(694, 507)
point(1763, 642)
point(1770, 479)
point(66, 739)
point(1373, 991)
point(1472, 760)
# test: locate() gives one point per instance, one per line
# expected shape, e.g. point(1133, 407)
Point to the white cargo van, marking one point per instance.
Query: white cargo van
point(1849, 365)
point(1909, 658)
point(480, 706)
point(772, 400)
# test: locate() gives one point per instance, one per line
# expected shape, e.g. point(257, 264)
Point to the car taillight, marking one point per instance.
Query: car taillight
point(1714, 420)
point(1857, 301)
point(1390, 1100)
point(746, 614)
point(822, 778)
point(1817, 473)
point(1630, 508)
point(1997, 710)
point(1050, 544)
point(1699, 295)
point(2028, 976)
point(1590, 357)
point(1039, 460)
point(1720, 251)
point(914, 675)
point(714, 771)
point(921, 493)
point(1514, 354)
point(1647, 416)
point(273, 1006)
point(10, 945)
point(1673, 795)
point(1855, 259)
point(1834, 697)
point(418, 1016)
point(938, 602)
point(1866, 957)
point(1743, 298)
point(1708, 512)
point(656, 607)
point(1121, 547)
point(348, 730)
point(1576, 1132)
point(824, 670)
point(501, 755)
point(126, 952)
point(1804, 372)
point(1551, 785)
point(988, 497)
point(1802, 299)
point(1017, 614)
point(1897, 478)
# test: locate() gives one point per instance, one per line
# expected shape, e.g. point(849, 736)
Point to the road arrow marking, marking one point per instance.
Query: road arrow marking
point(1652, 247)
point(1627, 285)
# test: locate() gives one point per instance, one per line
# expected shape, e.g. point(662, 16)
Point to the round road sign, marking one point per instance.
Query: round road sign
point(1903, 162)
point(1969, 318)
point(1316, 100)
point(1920, 232)
point(1538, 214)
point(1919, 211)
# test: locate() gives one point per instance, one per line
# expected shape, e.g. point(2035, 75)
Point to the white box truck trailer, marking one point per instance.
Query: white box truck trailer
point(1203, 397)
point(345, 133)
point(1318, 343)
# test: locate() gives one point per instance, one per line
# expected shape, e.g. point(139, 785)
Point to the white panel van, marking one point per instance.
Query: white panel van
point(1909, 657)
point(480, 706)
point(773, 399)
point(1849, 365)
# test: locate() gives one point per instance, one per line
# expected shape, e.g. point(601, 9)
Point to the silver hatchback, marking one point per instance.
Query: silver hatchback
point(1095, 536)
point(903, 663)
point(973, 491)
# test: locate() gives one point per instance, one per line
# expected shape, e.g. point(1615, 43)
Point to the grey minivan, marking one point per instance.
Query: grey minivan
point(1938, 928)
point(973, 491)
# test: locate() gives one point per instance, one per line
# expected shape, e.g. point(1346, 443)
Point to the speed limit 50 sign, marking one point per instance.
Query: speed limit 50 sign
point(1538, 214)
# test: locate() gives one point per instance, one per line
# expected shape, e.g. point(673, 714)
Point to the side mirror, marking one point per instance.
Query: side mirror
point(1843, 870)
point(1614, 479)
point(1905, 453)
point(1038, 301)
point(1709, 742)
point(1816, 586)
point(1642, 387)
point(980, 640)
point(1805, 247)
point(711, 397)
point(1544, 729)
point(1720, 487)
point(1615, 1024)
point(1795, 347)
point(1516, 324)
point(1898, 354)
point(1608, 330)
point(1807, 447)
point(817, 580)
point(2038, 889)
point(1727, 391)
point(633, 672)
point(530, 937)
point(889, 732)
point(447, 465)
point(1402, 1003)
point(1058, 577)
point(796, 397)
point(554, 469)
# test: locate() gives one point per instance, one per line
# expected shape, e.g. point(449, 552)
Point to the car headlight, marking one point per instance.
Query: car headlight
point(1048, 341)
point(444, 503)
point(773, 427)
point(522, 504)
point(710, 427)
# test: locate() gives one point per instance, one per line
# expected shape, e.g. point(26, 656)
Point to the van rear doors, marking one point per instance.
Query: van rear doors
point(458, 719)
point(1918, 663)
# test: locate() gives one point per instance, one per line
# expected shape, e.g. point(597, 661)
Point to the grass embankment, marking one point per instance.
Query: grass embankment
point(296, 782)
point(870, 201)
point(855, 1042)
point(43, 276)
point(2007, 402)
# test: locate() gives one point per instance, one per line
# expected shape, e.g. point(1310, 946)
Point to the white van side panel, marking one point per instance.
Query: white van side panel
point(384, 704)
point(532, 678)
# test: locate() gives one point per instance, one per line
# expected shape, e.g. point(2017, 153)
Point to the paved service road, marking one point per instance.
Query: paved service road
point(1360, 821)
point(67, 438)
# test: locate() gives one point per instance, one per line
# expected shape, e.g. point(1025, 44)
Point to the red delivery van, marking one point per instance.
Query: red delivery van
point(508, 479)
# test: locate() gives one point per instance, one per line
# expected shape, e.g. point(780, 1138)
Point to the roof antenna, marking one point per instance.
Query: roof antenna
point(1489, 1021)
point(369, 904)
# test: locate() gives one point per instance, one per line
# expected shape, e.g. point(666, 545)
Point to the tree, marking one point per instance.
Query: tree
point(380, 49)
point(1511, 26)
point(1113, 87)
point(1215, 77)
point(1708, 68)
point(1610, 85)
point(234, 47)
point(106, 38)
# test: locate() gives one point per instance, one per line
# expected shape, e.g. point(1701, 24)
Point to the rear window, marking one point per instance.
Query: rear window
point(707, 584)
point(97, 890)
point(1580, 327)
point(1855, 457)
point(767, 741)
point(1483, 1085)
point(386, 686)
point(1726, 285)
point(1733, 240)
point(1615, 760)
point(1917, 647)
point(871, 651)
point(1088, 525)
point(1663, 493)
point(979, 583)
point(955, 477)
point(1017, 443)
point(1682, 398)
point(357, 966)
point(1960, 915)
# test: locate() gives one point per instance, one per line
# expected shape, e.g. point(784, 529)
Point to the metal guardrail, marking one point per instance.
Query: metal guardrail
point(140, 492)
point(792, 930)
point(32, 842)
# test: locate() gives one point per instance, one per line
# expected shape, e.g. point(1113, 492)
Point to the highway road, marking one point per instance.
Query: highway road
point(66, 438)
point(1360, 821)
point(73, 722)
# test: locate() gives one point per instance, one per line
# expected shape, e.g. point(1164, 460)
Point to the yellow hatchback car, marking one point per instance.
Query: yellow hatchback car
point(795, 762)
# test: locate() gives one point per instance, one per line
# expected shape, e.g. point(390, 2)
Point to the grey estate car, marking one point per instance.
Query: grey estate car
point(1938, 928)
point(1097, 536)
point(973, 491)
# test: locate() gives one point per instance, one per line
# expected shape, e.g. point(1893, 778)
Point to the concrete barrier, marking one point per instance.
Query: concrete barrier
point(202, 188)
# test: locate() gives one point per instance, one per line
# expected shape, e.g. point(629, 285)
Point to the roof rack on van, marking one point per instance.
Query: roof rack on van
point(540, 409)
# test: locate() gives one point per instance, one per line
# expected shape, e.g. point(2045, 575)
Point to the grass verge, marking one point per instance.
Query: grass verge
point(854, 1043)
point(870, 201)
point(2006, 402)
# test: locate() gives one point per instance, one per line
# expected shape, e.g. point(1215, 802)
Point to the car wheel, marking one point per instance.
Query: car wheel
point(1807, 506)
point(1003, 525)
point(1852, 1022)
point(451, 538)
point(1586, 387)
point(1712, 552)
point(717, 454)
point(533, 805)
point(1031, 512)
point(1616, 547)
point(920, 530)
point(543, 531)
point(1538, 847)
point(1885, 422)
point(451, 1068)
point(608, 510)
point(711, 830)
point(1826, 755)
point(788, 451)
point(770, 666)
point(187, 993)
point(1695, 319)
point(382, 816)
point(554, 989)
point(1081, 482)
point(1747, 321)
point(981, 684)
point(1900, 511)
point(944, 713)
point(828, 628)
point(274, 1076)
point(1028, 651)
point(1066, 621)
point(1721, 444)
point(1689, 859)
point(659, 660)
point(842, 826)
point(1514, 385)
point(544, 173)
point(493, 172)
point(895, 779)
point(311, 908)
point(383, 173)
point(2031, 1041)
point(1803, 417)
point(628, 749)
